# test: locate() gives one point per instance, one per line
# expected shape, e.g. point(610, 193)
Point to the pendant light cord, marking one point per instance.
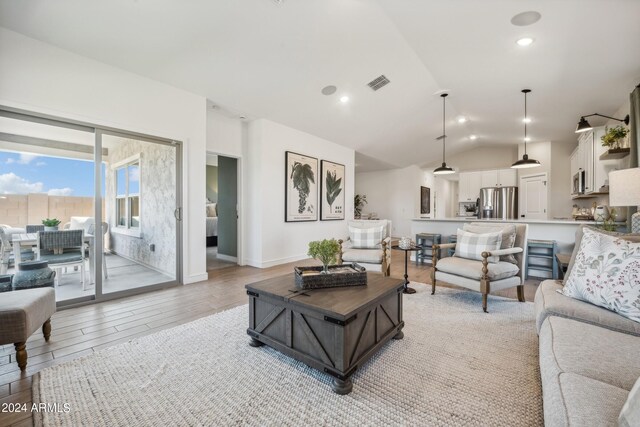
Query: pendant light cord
point(525, 123)
point(444, 136)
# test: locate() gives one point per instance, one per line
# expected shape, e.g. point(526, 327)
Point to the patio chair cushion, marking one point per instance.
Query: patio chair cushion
point(63, 258)
point(471, 245)
point(24, 312)
point(370, 256)
point(472, 269)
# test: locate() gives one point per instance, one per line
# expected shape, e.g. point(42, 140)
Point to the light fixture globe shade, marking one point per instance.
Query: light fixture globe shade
point(443, 170)
point(583, 125)
point(525, 163)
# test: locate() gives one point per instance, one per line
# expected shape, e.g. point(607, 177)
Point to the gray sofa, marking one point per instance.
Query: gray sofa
point(589, 359)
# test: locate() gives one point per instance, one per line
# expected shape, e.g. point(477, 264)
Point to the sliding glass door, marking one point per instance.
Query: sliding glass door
point(122, 190)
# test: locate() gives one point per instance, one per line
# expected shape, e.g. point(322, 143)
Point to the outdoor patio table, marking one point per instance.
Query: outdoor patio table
point(31, 239)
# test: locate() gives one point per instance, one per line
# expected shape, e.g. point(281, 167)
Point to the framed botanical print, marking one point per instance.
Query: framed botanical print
point(301, 188)
point(331, 191)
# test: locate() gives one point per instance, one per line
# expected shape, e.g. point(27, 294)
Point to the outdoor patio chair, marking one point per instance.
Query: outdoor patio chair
point(34, 228)
point(6, 248)
point(64, 248)
point(105, 232)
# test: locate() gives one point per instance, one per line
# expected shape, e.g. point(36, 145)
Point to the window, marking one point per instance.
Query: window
point(128, 194)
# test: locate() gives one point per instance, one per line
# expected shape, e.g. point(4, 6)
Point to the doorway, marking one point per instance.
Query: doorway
point(116, 193)
point(533, 191)
point(222, 211)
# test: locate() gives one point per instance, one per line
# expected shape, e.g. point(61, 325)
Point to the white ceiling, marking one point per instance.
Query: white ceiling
point(267, 60)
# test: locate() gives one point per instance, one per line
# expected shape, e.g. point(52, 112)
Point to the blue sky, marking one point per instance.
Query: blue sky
point(22, 173)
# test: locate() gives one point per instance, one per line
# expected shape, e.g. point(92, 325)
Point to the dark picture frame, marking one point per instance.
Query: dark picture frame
point(332, 191)
point(300, 187)
point(425, 200)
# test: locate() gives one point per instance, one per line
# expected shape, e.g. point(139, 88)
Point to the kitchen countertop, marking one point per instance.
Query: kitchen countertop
point(527, 221)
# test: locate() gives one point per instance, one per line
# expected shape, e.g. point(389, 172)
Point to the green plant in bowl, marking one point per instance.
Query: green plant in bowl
point(613, 136)
point(324, 251)
point(51, 222)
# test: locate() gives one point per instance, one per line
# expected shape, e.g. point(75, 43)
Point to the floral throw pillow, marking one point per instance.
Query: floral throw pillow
point(607, 273)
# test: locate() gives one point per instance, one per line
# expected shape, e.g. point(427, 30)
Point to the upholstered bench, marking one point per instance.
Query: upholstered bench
point(21, 314)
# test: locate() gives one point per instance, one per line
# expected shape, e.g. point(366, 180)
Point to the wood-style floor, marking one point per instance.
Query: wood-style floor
point(80, 331)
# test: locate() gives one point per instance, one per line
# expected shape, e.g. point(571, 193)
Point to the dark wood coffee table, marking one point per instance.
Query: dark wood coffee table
point(333, 330)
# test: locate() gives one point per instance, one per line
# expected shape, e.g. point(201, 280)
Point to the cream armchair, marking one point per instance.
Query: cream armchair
point(483, 276)
point(375, 259)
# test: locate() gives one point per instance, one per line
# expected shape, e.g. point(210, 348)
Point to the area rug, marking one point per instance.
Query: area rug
point(456, 366)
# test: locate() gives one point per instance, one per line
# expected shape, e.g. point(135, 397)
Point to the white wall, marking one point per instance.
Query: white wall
point(224, 134)
point(273, 241)
point(45, 79)
point(484, 157)
point(395, 195)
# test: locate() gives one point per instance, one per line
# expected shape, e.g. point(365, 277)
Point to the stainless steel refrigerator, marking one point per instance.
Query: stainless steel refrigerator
point(498, 203)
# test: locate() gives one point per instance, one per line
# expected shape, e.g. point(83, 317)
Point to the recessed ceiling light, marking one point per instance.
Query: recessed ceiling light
point(473, 137)
point(344, 99)
point(526, 120)
point(329, 90)
point(527, 139)
point(525, 41)
point(462, 119)
point(526, 18)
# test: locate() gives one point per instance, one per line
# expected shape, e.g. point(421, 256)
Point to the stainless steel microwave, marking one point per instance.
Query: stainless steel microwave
point(578, 183)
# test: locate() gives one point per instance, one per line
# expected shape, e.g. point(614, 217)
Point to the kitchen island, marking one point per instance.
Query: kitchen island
point(561, 230)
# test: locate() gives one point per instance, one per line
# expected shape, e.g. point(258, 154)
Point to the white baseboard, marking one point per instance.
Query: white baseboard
point(194, 278)
point(272, 263)
point(229, 258)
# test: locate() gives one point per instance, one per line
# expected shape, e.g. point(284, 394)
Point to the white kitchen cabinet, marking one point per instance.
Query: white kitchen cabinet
point(507, 178)
point(575, 164)
point(489, 178)
point(469, 186)
point(587, 142)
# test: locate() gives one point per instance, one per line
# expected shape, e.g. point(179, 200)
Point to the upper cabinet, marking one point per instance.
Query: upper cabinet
point(471, 182)
point(587, 158)
point(469, 186)
point(507, 178)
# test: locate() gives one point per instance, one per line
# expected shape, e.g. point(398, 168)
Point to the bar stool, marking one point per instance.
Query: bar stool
point(426, 242)
point(453, 238)
point(544, 250)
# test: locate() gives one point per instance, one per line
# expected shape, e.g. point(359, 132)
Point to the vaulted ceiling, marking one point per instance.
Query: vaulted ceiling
point(262, 58)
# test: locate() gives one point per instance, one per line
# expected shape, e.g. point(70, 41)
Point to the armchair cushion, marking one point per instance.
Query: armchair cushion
point(472, 269)
point(508, 236)
point(369, 256)
point(366, 238)
point(471, 245)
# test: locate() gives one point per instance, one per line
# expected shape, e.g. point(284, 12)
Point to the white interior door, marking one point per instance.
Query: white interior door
point(533, 196)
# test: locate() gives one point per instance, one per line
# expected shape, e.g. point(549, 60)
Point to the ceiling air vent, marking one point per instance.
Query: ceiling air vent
point(378, 82)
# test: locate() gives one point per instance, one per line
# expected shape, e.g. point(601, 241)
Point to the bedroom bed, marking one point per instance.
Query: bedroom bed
point(212, 225)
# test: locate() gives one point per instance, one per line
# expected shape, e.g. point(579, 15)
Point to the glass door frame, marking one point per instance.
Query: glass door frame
point(98, 132)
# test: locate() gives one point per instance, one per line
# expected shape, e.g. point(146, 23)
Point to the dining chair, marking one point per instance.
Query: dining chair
point(63, 248)
point(6, 250)
point(34, 228)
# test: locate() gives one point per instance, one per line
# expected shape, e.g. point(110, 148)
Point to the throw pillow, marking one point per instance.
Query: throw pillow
point(607, 273)
point(579, 233)
point(508, 236)
point(212, 210)
point(630, 414)
point(471, 245)
point(366, 238)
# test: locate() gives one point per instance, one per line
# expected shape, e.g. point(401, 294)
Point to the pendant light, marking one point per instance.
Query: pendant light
point(444, 169)
point(525, 162)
